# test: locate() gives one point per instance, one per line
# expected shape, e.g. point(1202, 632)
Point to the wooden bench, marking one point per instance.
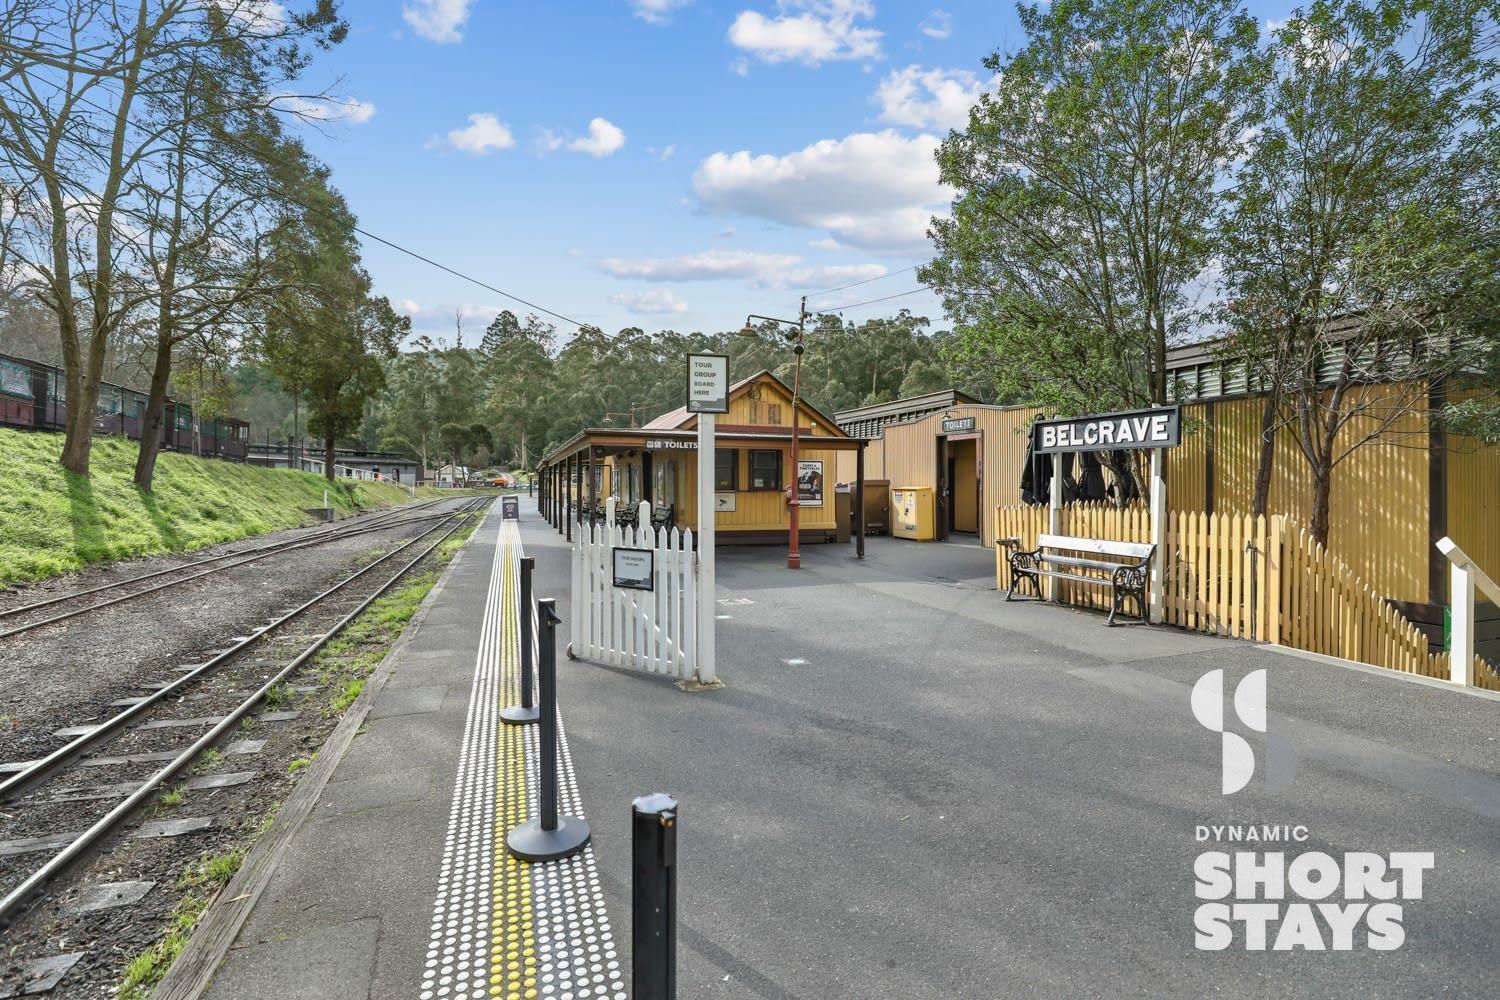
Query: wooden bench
point(1127, 563)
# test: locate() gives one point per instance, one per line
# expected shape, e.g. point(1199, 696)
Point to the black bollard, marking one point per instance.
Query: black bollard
point(520, 715)
point(653, 925)
point(548, 836)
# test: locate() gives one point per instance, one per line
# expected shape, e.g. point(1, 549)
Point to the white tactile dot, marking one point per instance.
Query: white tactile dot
point(502, 928)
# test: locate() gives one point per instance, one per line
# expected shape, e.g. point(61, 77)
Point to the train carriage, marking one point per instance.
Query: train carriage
point(34, 396)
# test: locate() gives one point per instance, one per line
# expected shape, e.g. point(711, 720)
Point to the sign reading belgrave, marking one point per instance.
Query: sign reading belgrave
point(1160, 427)
point(708, 383)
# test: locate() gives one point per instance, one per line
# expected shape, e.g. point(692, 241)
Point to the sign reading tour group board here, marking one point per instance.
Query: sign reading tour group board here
point(708, 383)
point(1155, 428)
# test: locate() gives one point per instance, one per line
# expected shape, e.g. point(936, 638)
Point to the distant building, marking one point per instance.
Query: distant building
point(381, 464)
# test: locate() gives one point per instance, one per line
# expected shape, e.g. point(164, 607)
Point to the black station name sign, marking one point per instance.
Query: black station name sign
point(955, 425)
point(1160, 427)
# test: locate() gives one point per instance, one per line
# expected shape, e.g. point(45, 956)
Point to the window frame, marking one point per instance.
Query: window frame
point(734, 470)
point(751, 469)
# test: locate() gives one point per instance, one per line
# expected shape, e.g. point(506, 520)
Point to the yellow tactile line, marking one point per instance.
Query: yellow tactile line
point(513, 973)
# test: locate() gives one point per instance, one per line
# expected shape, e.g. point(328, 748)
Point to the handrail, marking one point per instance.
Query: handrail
point(1459, 557)
point(1465, 577)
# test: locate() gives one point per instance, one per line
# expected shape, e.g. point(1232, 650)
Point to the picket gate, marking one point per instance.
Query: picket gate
point(649, 630)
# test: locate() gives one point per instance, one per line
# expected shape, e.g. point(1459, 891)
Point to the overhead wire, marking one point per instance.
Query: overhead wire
point(866, 281)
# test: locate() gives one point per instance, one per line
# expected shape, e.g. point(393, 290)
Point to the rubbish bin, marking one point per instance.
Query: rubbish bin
point(912, 513)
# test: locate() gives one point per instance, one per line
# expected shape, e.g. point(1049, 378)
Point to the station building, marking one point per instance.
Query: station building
point(657, 463)
point(1392, 498)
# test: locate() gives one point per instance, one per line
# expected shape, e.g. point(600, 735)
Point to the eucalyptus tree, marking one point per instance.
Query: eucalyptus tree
point(1087, 191)
point(77, 81)
point(1360, 253)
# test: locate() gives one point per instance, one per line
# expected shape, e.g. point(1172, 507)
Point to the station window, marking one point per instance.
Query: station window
point(726, 470)
point(765, 470)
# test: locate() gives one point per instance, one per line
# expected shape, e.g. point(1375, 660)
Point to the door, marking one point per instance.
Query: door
point(942, 508)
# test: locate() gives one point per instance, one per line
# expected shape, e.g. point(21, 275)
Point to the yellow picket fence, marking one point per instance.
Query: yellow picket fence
point(1244, 577)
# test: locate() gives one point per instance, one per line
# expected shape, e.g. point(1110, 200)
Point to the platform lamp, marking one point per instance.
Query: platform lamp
point(794, 334)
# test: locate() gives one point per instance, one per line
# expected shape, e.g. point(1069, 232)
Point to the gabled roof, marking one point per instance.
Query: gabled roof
point(681, 419)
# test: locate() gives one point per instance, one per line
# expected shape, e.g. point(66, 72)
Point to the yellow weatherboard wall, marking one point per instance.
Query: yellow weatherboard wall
point(1381, 497)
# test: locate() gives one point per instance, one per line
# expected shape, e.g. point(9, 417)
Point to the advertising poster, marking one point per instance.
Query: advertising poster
point(810, 482)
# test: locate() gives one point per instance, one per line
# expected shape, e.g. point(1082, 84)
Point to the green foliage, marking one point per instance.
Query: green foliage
point(519, 394)
point(52, 521)
point(1087, 195)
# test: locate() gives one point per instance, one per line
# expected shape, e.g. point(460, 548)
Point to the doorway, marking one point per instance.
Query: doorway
point(959, 487)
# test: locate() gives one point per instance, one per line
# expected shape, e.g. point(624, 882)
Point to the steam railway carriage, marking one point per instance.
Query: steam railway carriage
point(34, 397)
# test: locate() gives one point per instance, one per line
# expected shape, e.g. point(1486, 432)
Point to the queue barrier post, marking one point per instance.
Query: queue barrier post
point(654, 898)
point(548, 836)
point(526, 712)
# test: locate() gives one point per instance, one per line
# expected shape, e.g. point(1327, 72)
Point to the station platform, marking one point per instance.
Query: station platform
point(907, 787)
point(396, 882)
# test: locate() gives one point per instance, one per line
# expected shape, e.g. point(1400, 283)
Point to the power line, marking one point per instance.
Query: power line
point(867, 302)
point(465, 277)
point(866, 281)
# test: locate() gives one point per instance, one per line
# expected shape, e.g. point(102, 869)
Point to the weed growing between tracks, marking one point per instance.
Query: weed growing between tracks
point(340, 670)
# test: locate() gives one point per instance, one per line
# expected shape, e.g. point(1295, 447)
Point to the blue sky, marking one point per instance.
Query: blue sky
point(657, 163)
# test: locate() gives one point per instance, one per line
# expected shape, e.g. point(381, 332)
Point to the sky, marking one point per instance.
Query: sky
point(667, 164)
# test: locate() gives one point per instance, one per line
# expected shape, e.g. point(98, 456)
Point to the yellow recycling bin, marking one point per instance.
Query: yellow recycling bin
point(912, 513)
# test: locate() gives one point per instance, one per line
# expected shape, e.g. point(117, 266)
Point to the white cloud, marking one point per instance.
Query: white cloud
point(484, 133)
point(872, 190)
point(826, 243)
point(668, 150)
point(331, 109)
point(657, 11)
point(766, 270)
point(262, 17)
point(440, 21)
point(808, 31)
point(740, 67)
point(928, 98)
point(710, 265)
point(406, 307)
point(603, 139)
point(939, 24)
point(725, 234)
point(547, 141)
point(657, 302)
point(821, 277)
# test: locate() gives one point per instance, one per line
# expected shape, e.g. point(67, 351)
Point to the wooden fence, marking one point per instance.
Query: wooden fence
point(1238, 576)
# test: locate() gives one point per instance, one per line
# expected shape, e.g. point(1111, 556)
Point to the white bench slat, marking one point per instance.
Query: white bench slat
point(1135, 550)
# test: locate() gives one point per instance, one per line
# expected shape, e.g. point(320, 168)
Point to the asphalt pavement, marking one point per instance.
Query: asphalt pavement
point(911, 788)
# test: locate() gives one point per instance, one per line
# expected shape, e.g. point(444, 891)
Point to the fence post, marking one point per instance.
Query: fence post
point(526, 712)
point(1461, 642)
point(548, 836)
point(654, 898)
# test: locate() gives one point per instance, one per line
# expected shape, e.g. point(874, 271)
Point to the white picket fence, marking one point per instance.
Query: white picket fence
point(651, 630)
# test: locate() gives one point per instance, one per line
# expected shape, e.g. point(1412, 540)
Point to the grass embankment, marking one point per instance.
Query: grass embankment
point(52, 521)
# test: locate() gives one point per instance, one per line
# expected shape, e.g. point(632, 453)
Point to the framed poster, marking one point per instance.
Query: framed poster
point(810, 482)
point(634, 568)
point(708, 383)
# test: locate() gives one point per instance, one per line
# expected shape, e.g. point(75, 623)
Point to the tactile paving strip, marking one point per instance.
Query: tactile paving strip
point(502, 928)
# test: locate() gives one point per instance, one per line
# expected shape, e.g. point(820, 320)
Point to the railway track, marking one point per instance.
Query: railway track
point(63, 805)
point(53, 610)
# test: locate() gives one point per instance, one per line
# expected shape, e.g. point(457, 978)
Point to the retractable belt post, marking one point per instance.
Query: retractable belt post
point(548, 837)
point(526, 712)
point(654, 897)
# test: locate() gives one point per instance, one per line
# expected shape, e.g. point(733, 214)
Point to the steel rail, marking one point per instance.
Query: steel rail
point(300, 544)
point(33, 884)
point(324, 533)
point(81, 744)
